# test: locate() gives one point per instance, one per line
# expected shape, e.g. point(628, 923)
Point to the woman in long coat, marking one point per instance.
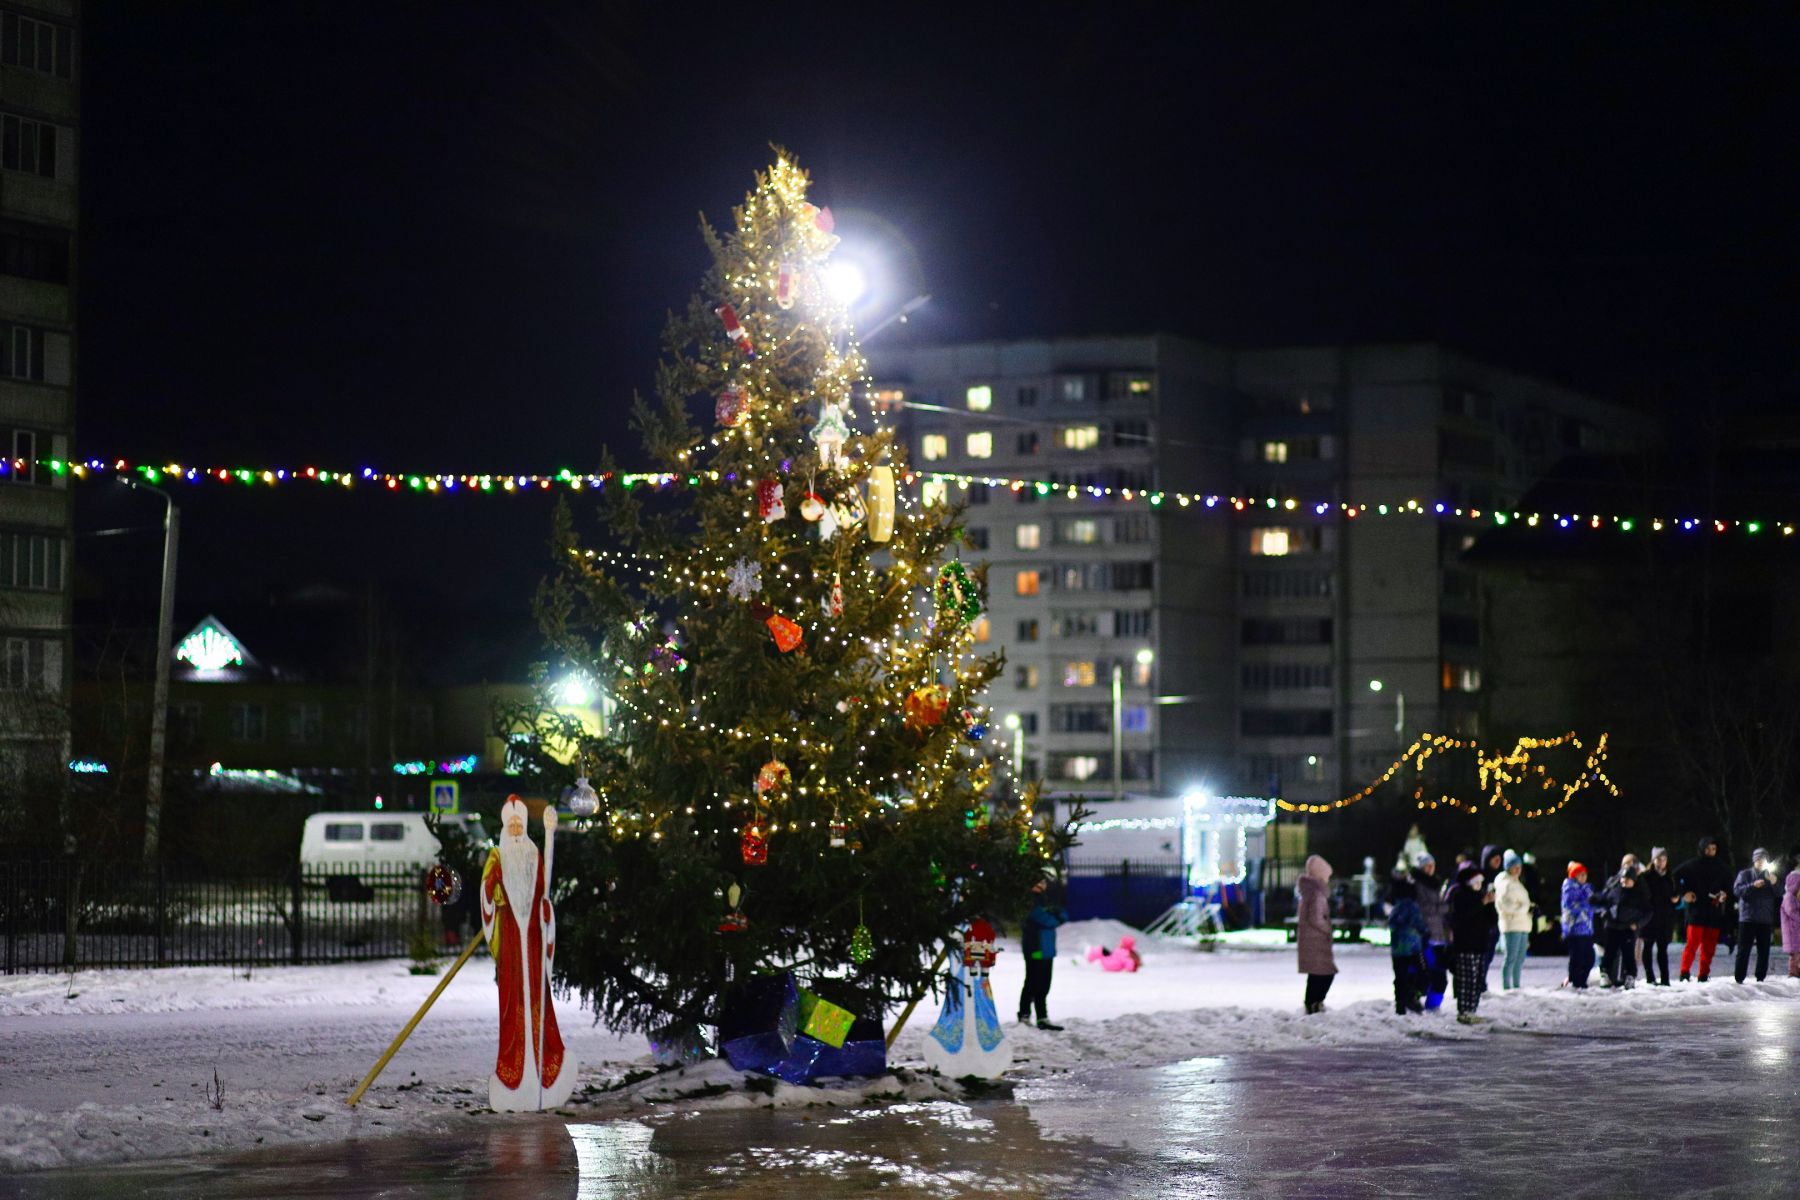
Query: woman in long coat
point(1313, 932)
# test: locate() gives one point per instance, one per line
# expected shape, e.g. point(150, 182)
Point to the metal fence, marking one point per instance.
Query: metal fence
point(1135, 891)
point(60, 914)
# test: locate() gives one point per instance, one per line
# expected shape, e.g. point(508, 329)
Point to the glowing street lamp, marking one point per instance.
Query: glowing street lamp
point(1375, 685)
point(1018, 731)
point(845, 281)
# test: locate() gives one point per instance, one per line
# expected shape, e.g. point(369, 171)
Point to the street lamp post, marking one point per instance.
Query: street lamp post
point(159, 696)
point(1375, 685)
point(1018, 738)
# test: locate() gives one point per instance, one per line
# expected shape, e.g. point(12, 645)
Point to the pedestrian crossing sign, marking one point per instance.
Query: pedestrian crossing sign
point(446, 796)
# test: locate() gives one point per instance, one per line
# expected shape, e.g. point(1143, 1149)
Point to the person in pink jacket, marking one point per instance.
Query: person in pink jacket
point(1790, 914)
point(1312, 935)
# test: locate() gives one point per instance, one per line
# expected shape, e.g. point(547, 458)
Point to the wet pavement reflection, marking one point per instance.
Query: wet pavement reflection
point(1701, 1101)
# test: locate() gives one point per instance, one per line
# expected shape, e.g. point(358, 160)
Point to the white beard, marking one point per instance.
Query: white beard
point(518, 873)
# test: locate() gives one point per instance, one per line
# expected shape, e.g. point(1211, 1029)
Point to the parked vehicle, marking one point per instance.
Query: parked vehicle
point(352, 839)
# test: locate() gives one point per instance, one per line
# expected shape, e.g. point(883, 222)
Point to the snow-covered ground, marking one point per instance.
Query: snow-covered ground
point(117, 1065)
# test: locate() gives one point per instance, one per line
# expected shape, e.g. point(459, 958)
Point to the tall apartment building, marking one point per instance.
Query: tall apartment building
point(1265, 633)
point(40, 113)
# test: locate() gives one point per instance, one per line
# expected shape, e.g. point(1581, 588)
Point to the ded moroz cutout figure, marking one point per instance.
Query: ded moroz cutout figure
point(532, 1071)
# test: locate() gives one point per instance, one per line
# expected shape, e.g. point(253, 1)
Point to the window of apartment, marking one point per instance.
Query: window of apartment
point(1132, 576)
point(31, 664)
point(419, 724)
point(34, 252)
point(1081, 577)
point(934, 446)
point(1131, 434)
point(1028, 722)
point(1131, 622)
point(934, 492)
point(1281, 677)
point(1026, 495)
point(27, 146)
point(1081, 718)
point(21, 352)
point(1124, 387)
point(1466, 449)
point(1026, 583)
point(249, 723)
point(1137, 527)
point(1460, 677)
point(1139, 385)
point(976, 537)
point(186, 723)
point(1274, 452)
point(1286, 722)
point(37, 45)
point(1027, 397)
point(1077, 531)
point(1134, 718)
point(1028, 630)
point(1028, 442)
point(982, 629)
point(1079, 767)
point(1025, 677)
point(33, 561)
point(24, 452)
point(888, 400)
point(1289, 631)
point(1028, 536)
point(979, 398)
point(1078, 437)
point(1072, 390)
point(979, 444)
point(305, 724)
point(1286, 585)
point(1459, 630)
point(1068, 623)
point(978, 493)
point(1270, 543)
point(1079, 673)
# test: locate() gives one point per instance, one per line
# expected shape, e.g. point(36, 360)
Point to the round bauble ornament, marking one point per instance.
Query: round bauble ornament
point(583, 801)
point(443, 885)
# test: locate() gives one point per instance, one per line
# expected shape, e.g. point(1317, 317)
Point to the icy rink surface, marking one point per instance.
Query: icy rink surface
point(119, 1071)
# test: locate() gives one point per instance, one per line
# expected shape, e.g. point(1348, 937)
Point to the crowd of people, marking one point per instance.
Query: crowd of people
point(1446, 930)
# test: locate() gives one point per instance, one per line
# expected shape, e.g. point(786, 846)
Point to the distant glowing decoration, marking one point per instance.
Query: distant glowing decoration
point(1215, 837)
point(264, 781)
point(209, 648)
point(448, 766)
point(88, 766)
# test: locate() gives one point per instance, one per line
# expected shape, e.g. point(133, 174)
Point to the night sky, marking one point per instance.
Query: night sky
point(442, 236)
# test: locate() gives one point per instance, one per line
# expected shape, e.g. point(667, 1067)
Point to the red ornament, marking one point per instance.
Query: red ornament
point(772, 778)
point(926, 707)
point(787, 633)
point(754, 845)
point(787, 285)
point(733, 404)
point(735, 330)
point(769, 504)
point(979, 949)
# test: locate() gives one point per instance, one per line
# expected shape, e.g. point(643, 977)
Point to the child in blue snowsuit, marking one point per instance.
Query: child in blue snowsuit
point(1407, 934)
point(1578, 924)
point(1037, 940)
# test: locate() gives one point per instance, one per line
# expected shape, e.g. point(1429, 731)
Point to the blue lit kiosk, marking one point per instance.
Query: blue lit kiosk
point(1219, 837)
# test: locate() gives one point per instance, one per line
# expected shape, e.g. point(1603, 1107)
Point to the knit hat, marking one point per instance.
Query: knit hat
point(1510, 861)
point(1575, 869)
point(1421, 858)
point(1657, 852)
point(1759, 852)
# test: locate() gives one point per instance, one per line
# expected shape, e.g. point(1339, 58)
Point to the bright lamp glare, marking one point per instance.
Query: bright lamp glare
point(846, 282)
point(574, 691)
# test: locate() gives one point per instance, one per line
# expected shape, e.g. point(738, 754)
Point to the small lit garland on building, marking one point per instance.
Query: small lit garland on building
point(449, 483)
point(1495, 771)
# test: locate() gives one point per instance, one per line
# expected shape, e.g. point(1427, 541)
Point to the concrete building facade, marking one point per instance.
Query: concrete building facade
point(1264, 632)
point(40, 118)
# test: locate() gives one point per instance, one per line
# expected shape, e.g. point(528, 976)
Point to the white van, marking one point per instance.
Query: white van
point(351, 839)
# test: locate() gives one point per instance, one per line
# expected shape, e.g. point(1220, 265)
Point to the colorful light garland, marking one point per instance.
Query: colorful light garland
point(447, 483)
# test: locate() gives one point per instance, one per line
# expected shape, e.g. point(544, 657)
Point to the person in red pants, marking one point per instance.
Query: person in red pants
point(1704, 884)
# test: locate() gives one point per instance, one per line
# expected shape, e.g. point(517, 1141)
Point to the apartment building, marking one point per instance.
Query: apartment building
point(39, 134)
point(1265, 651)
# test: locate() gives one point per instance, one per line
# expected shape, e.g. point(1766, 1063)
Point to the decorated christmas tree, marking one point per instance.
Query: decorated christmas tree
point(794, 774)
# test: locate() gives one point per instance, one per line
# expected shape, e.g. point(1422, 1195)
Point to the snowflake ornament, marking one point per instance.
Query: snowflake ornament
point(745, 577)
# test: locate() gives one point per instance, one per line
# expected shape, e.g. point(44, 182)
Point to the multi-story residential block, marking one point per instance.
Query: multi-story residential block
point(39, 123)
point(1286, 651)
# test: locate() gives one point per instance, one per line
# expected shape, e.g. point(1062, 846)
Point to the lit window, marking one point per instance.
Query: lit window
point(979, 445)
point(982, 629)
point(1080, 766)
point(1028, 537)
point(1025, 676)
point(1136, 719)
point(1026, 583)
point(1138, 387)
point(1274, 452)
point(1078, 437)
point(1459, 678)
point(1073, 390)
point(1079, 673)
point(1140, 673)
point(1082, 531)
point(980, 398)
point(934, 446)
point(1271, 543)
point(934, 491)
point(888, 400)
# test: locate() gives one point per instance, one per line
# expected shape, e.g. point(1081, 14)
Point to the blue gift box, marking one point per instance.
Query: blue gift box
point(758, 1032)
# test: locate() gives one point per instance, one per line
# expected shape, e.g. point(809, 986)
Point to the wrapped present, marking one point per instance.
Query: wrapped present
point(824, 1020)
